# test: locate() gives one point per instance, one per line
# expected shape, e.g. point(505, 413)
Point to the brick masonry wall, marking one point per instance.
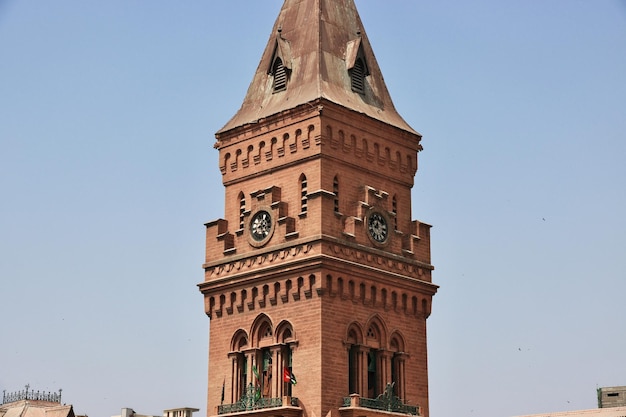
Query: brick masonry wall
point(319, 270)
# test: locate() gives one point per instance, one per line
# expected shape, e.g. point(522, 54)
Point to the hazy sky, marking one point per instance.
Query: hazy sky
point(108, 172)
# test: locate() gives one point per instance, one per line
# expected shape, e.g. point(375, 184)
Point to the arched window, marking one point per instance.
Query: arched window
point(355, 358)
point(239, 365)
point(376, 364)
point(263, 338)
point(373, 341)
point(398, 358)
point(285, 338)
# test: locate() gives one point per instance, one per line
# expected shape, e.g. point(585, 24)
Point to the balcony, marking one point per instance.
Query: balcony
point(252, 402)
point(385, 402)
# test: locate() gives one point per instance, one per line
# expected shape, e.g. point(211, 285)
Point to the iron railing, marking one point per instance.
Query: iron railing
point(28, 394)
point(386, 401)
point(252, 400)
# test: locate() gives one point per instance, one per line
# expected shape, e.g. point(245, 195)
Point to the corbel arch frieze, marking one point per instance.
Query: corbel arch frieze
point(376, 295)
point(254, 151)
point(293, 289)
point(370, 149)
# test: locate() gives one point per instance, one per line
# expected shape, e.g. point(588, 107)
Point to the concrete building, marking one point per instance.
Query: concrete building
point(129, 412)
point(611, 403)
point(317, 280)
point(180, 412)
point(612, 397)
point(173, 412)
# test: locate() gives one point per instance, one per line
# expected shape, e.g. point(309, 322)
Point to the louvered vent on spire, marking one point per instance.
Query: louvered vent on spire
point(280, 75)
point(357, 74)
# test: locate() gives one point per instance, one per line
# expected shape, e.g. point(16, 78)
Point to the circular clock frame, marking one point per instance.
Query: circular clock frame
point(377, 225)
point(261, 227)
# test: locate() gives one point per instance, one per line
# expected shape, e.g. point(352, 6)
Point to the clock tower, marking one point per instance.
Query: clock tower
point(317, 280)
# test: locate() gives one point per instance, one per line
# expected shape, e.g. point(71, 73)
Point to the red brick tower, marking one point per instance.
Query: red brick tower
point(316, 270)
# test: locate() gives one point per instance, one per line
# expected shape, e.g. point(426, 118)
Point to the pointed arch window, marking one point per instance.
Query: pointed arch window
point(284, 354)
point(280, 75)
point(354, 360)
point(373, 360)
point(239, 367)
point(398, 364)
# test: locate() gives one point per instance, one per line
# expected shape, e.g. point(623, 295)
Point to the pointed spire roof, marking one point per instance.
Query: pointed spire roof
point(321, 44)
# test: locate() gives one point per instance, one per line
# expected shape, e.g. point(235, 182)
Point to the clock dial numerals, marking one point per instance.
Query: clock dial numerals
point(377, 227)
point(261, 225)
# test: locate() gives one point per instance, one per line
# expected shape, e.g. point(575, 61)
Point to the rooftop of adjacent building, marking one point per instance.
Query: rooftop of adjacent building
point(31, 403)
point(171, 412)
point(595, 412)
point(611, 403)
point(612, 397)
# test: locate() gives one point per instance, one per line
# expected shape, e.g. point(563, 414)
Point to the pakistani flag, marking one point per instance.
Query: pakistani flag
point(288, 376)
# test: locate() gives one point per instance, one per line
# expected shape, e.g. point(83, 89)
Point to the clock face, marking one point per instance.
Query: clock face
point(261, 226)
point(377, 227)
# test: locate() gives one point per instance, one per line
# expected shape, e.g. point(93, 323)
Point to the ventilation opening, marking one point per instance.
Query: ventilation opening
point(357, 75)
point(242, 211)
point(303, 195)
point(394, 206)
point(280, 75)
point(336, 192)
point(613, 394)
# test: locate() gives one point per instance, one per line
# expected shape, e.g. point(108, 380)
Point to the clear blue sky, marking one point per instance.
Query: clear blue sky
point(107, 174)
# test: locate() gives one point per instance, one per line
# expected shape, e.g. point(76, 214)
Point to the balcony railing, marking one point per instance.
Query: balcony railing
point(31, 395)
point(252, 400)
point(384, 402)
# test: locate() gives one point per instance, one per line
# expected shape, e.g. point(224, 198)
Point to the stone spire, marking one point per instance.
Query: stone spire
point(318, 49)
